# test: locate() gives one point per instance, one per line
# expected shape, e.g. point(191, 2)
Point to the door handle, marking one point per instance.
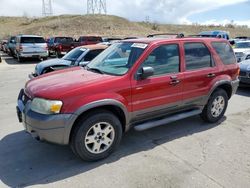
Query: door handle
point(174, 82)
point(210, 75)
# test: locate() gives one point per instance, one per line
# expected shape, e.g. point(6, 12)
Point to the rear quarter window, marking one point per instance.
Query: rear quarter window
point(225, 52)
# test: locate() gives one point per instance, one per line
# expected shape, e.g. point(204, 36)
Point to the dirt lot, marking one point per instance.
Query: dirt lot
point(187, 153)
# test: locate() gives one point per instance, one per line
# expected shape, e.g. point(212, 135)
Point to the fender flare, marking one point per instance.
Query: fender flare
point(90, 106)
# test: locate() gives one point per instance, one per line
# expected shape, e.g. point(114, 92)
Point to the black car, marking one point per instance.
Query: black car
point(245, 73)
point(79, 56)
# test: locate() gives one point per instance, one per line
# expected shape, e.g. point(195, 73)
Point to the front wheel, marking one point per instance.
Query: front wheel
point(216, 106)
point(96, 136)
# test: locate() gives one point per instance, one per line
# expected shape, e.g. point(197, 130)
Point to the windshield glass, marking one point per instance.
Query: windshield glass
point(74, 54)
point(118, 58)
point(242, 45)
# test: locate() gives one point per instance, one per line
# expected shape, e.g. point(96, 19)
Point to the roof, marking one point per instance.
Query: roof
point(29, 36)
point(159, 40)
point(94, 46)
point(243, 41)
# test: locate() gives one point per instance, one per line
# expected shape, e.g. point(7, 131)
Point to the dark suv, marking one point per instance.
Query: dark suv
point(139, 83)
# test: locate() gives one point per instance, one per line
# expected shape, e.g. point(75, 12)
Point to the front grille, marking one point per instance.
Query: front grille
point(239, 54)
point(243, 74)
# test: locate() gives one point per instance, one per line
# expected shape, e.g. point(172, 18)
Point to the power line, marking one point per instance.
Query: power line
point(96, 7)
point(47, 8)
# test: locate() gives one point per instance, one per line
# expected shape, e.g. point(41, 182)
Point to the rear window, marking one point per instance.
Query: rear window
point(225, 52)
point(32, 40)
point(64, 39)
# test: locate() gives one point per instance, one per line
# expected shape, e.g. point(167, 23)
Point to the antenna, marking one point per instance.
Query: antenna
point(96, 7)
point(47, 8)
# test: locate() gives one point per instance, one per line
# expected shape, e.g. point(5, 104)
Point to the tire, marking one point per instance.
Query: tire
point(91, 141)
point(57, 54)
point(19, 59)
point(216, 106)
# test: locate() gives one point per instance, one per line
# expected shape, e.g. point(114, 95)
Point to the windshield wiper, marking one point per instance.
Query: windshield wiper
point(95, 70)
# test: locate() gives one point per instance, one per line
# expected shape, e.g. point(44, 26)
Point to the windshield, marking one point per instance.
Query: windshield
point(242, 45)
point(118, 58)
point(74, 54)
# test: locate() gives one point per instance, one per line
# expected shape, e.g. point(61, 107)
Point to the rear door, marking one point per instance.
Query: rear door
point(200, 71)
point(162, 92)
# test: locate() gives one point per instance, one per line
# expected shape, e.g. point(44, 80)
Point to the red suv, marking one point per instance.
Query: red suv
point(140, 83)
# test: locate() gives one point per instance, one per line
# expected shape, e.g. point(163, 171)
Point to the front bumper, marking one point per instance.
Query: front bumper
point(52, 128)
point(235, 85)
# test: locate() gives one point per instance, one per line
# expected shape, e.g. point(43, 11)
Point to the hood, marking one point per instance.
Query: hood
point(56, 84)
point(52, 62)
point(245, 66)
point(244, 50)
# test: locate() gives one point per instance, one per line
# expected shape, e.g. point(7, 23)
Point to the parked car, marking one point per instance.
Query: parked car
point(79, 56)
point(110, 40)
point(86, 40)
point(141, 83)
point(3, 46)
point(216, 34)
point(242, 50)
point(59, 46)
point(245, 73)
point(11, 45)
point(30, 46)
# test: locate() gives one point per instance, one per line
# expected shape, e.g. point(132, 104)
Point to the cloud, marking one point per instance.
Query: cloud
point(161, 11)
point(225, 22)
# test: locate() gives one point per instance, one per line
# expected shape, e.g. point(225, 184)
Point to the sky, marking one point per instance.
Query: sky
point(160, 11)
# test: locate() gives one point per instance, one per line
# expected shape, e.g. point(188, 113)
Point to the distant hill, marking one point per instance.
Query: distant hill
point(104, 25)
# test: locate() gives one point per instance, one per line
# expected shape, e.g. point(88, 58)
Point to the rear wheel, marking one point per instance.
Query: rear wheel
point(19, 59)
point(216, 106)
point(96, 136)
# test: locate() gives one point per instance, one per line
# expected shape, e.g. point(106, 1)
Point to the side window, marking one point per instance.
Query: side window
point(225, 52)
point(164, 59)
point(197, 56)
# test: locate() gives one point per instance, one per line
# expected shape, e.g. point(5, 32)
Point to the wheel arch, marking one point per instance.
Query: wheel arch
point(115, 107)
point(225, 85)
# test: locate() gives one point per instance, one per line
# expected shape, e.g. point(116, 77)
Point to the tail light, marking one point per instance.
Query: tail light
point(46, 47)
point(238, 71)
point(60, 47)
point(20, 48)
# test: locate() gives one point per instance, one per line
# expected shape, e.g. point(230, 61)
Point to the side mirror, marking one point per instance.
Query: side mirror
point(83, 63)
point(145, 72)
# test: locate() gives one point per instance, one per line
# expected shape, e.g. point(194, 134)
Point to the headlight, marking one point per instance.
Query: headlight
point(44, 106)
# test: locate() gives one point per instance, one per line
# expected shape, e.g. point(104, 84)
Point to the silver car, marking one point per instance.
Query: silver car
point(31, 46)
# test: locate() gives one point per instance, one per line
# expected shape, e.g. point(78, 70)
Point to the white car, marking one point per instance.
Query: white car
point(242, 50)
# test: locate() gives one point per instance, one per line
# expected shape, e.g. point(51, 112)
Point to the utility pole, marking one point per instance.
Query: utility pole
point(96, 7)
point(47, 8)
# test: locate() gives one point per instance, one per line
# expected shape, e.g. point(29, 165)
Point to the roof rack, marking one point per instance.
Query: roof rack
point(177, 35)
